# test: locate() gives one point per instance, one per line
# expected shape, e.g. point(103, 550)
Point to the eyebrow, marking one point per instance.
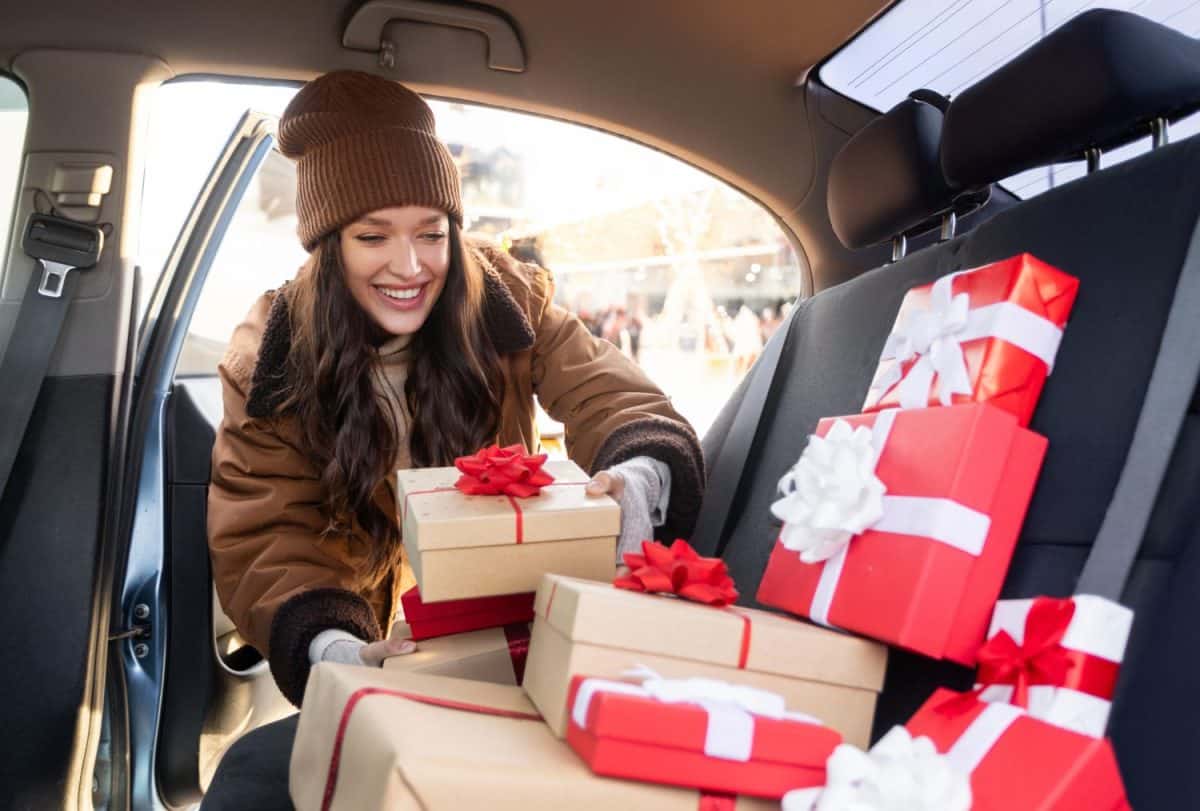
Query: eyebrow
point(379, 221)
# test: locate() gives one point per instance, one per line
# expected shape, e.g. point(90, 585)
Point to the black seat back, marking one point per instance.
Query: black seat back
point(1124, 232)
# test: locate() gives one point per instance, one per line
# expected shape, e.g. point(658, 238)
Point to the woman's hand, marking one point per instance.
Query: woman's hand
point(373, 653)
point(641, 486)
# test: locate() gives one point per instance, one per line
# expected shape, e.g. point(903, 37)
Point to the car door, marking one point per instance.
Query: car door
point(166, 669)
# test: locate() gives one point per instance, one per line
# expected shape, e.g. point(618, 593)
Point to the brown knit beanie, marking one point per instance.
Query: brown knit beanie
point(362, 142)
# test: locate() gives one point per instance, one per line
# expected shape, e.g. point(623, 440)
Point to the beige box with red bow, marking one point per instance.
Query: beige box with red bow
point(594, 629)
point(371, 739)
point(461, 545)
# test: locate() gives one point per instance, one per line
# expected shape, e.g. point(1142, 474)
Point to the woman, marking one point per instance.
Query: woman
point(399, 344)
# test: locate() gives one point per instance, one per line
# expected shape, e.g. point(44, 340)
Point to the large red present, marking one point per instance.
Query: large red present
point(984, 335)
point(429, 620)
point(696, 733)
point(1017, 761)
point(900, 525)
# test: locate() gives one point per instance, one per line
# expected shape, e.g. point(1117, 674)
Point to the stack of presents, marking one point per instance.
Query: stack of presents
point(543, 680)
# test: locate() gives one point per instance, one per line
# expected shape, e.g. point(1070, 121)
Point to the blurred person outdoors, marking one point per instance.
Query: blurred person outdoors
point(747, 339)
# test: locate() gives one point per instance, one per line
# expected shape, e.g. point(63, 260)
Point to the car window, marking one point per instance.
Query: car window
point(14, 115)
point(948, 45)
point(685, 274)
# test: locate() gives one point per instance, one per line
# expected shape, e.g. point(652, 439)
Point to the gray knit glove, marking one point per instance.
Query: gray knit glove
point(643, 496)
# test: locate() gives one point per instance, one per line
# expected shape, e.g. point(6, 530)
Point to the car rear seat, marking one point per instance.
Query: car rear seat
point(1124, 232)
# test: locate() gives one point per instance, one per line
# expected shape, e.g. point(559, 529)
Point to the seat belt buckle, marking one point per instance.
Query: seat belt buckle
point(60, 245)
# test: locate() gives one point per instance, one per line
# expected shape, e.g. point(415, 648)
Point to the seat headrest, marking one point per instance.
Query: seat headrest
point(887, 178)
point(1097, 81)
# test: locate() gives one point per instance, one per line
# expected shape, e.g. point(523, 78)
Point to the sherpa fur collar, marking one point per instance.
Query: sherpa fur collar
point(507, 324)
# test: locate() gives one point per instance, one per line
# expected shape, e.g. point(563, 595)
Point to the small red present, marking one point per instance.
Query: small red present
point(1059, 659)
point(696, 733)
point(984, 335)
point(429, 620)
point(900, 525)
point(1017, 761)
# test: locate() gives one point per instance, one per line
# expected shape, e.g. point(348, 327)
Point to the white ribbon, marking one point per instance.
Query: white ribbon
point(731, 708)
point(973, 745)
point(900, 773)
point(939, 519)
point(934, 338)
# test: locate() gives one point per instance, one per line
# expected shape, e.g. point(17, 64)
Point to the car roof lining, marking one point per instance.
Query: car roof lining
point(712, 88)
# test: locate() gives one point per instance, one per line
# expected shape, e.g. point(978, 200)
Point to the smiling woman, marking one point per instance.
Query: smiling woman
point(400, 344)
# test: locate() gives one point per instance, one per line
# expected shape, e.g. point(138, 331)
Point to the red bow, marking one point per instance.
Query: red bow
point(496, 471)
point(1040, 659)
point(678, 570)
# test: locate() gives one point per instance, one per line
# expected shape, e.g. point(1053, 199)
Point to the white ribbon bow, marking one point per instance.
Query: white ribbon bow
point(934, 337)
point(831, 494)
point(900, 773)
point(710, 693)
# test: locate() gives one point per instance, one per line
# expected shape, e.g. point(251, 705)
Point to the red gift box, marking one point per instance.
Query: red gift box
point(429, 620)
point(984, 335)
point(953, 485)
point(1017, 761)
point(667, 731)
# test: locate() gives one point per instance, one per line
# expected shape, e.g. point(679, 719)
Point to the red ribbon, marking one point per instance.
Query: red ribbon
point(496, 471)
point(678, 570)
point(1041, 658)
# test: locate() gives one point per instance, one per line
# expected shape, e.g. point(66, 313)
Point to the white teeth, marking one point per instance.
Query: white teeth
point(400, 294)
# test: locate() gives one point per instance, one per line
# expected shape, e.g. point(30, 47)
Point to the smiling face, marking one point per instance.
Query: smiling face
point(396, 260)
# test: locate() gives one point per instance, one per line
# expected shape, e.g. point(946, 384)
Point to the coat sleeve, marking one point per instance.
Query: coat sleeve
point(611, 409)
point(277, 580)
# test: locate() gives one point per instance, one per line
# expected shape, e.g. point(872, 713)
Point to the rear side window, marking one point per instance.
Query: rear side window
point(14, 116)
point(683, 273)
point(949, 45)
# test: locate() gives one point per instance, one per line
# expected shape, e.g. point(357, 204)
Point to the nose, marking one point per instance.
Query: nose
point(406, 262)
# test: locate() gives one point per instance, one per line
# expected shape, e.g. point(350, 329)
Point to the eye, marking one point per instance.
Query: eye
point(432, 237)
point(370, 239)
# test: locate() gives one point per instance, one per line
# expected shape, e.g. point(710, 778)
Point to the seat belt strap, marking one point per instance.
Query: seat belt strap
point(1172, 385)
point(725, 474)
point(59, 245)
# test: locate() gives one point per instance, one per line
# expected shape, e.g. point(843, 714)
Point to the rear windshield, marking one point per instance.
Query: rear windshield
point(948, 45)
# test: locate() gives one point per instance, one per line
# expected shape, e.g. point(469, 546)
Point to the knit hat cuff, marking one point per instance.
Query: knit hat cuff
point(345, 178)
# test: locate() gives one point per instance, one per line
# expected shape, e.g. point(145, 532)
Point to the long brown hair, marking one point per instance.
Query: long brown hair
point(453, 390)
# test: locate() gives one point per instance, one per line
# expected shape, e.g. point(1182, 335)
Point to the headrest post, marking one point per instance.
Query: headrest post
point(949, 224)
point(899, 247)
point(1093, 158)
point(1158, 129)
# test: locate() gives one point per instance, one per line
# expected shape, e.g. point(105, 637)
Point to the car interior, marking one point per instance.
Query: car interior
point(125, 682)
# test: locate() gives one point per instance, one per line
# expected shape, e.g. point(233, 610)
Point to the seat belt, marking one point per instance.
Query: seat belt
point(59, 245)
point(1172, 385)
point(725, 475)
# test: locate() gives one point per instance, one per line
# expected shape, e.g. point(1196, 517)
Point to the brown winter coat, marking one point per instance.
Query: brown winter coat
point(280, 586)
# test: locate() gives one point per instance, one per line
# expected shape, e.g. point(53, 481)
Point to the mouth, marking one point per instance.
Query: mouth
point(401, 298)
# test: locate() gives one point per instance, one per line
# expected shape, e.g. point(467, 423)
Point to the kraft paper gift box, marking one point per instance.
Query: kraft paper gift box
point(989, 334)
point(1016, 761)
point(429, 620)
point(1057, 658)
point(909, 519)
point(495, 655)
point(697, 733)
point(465, 546)
point(594, 629)
point(370, 740)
